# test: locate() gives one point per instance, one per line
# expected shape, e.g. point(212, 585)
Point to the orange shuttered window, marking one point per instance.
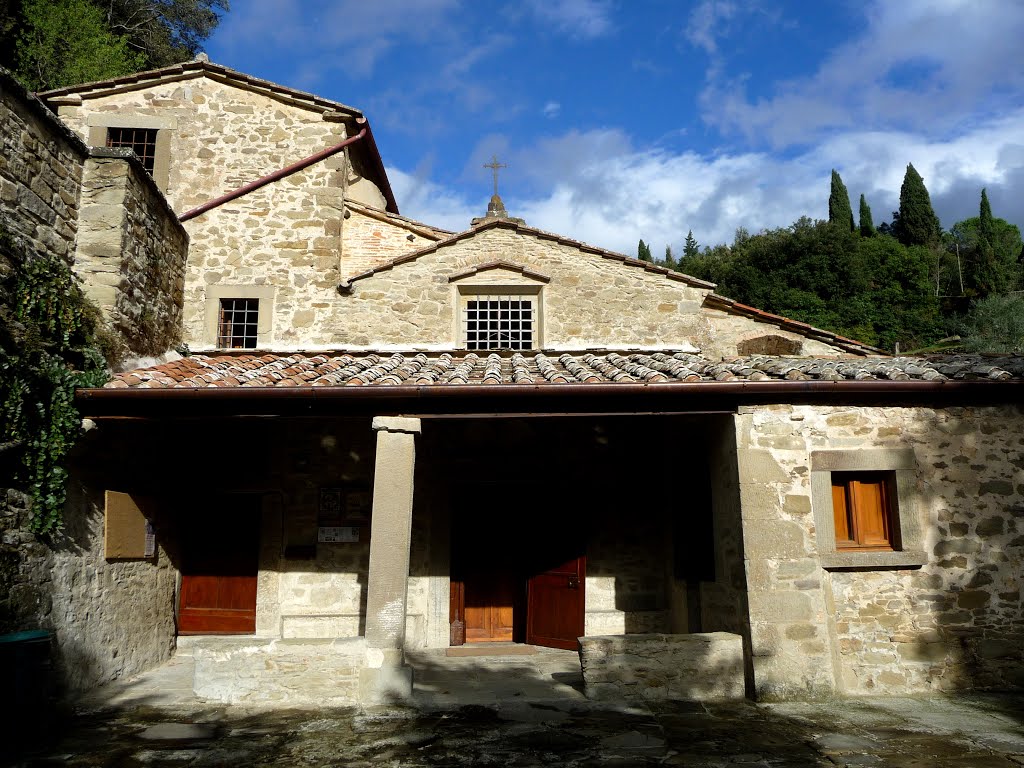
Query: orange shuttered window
point(863, 510)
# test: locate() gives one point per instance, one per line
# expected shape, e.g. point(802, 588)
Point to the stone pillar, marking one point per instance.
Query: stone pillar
point(385, 677)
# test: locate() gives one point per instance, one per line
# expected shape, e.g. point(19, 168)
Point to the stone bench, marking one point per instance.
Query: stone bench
point(275, 672)
point(701, 667)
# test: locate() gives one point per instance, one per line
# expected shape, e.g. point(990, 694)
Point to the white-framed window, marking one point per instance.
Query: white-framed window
point(495, 318)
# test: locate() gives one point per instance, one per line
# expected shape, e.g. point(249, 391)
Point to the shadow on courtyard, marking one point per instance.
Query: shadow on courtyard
point(976, 730)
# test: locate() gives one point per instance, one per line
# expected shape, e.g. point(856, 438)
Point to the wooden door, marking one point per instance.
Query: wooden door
point(489, 607)
point(555, 605)
point(220, 561)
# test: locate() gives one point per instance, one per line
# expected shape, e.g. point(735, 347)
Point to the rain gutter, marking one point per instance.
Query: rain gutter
point(275, 176)
point(455, 399)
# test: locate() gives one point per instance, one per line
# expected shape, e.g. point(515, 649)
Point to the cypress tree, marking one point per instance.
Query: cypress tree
point(643, 252)
point(867, 226)
point(839, 211)
point(670, 260)
point(917, 224)
point(690, 247)
point(983, 272)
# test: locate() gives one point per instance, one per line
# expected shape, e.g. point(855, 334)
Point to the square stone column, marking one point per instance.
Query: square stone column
point(385, 677)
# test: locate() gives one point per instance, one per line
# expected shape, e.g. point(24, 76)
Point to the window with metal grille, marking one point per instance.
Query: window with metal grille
point(142, 141)
point(499, 322)
point(238, 321)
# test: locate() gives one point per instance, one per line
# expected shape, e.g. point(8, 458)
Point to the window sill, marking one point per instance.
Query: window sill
point(835, 561)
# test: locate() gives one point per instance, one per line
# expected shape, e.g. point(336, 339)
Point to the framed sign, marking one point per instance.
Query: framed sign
point(339, 534)
point(330, 512)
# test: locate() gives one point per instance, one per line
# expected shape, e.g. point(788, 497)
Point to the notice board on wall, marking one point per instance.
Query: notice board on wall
point(127, 534)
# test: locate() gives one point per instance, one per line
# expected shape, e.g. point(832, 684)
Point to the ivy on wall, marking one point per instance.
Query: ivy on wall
point(51, 340)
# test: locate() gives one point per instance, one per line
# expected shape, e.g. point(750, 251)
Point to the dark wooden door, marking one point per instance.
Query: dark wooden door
point(555, 605)
point(220, 561)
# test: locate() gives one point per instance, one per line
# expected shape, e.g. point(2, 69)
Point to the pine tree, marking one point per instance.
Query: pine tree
point(690, 247)
point(917, 224)
point(867, 226)
point(643, 252)
point(839, 211)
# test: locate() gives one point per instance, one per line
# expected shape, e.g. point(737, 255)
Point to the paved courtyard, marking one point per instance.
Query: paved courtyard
point(527, 711)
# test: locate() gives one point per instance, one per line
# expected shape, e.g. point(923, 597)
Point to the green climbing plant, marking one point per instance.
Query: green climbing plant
point(51, 341)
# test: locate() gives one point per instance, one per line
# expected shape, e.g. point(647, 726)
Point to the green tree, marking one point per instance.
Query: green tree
point(65, 42)
point(989, 249)
point(917, 223)
point(839, 211)
point(643, 252)
point(867, 226)
point(690, 246)
point(163, 31)
point(995, 324)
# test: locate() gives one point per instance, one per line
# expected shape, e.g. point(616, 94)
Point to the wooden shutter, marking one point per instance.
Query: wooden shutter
point(862, 508)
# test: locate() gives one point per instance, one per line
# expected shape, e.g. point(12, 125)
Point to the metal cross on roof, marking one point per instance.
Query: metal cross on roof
point(494, 165)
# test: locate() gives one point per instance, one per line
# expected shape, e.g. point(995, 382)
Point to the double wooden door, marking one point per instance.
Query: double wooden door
point(220, 562)
point(517, 579)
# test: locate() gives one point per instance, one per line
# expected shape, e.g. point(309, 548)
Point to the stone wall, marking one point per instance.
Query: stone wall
point(306, 589)
point(110, 619)
point(656, 667)
point(40, 172)
point(131, 253)
point(820, 624)
point(278, 673)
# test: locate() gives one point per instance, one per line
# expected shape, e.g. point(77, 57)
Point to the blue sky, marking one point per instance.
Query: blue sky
point(628, 119)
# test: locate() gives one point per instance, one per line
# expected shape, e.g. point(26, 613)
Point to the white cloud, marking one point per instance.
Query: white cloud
point(920, 65)
point(337, 35)
point(706, 23)
point(551, 109)
point(610, 194)
point(586, 19)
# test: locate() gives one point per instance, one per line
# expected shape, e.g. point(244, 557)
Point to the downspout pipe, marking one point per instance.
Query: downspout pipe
point(272, 177)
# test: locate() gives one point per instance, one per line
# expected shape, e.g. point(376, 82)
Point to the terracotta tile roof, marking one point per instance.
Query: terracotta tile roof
point(733, 307)
point(197, 68)
point(606, 367)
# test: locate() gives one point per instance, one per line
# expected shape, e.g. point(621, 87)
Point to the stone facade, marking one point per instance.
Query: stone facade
point(284, 239)
point(587, 299)
point(820, 626)
point(131, 253)
point(735, 539)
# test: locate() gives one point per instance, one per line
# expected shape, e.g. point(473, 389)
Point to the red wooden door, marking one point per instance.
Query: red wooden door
point(220, 562)
point(555, 605)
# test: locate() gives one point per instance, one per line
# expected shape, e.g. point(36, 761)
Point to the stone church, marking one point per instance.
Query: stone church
point(377, 435)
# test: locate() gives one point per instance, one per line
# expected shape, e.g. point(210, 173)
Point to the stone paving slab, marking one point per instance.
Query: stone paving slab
point(904, 733)
point(508, 715)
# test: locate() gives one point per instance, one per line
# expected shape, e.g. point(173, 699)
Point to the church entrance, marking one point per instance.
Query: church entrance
point(518, 568)
point(220, 561)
